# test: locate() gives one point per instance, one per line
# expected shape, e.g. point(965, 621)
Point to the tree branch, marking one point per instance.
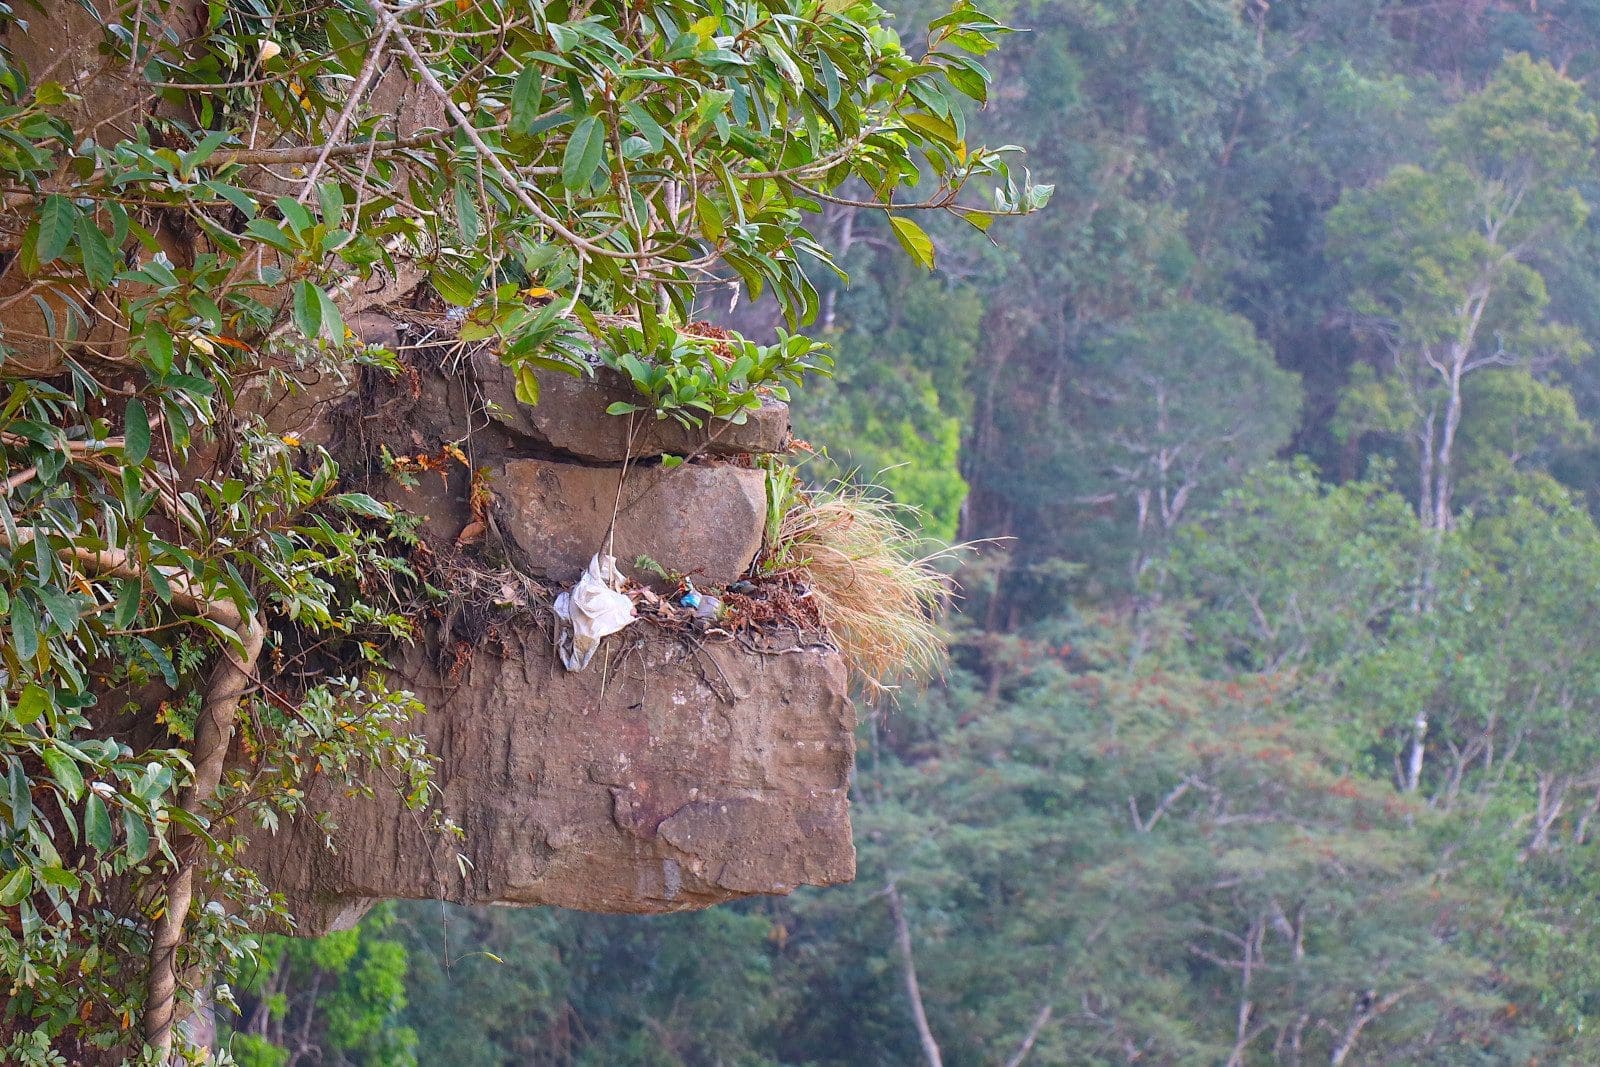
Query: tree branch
point(1032, 1035)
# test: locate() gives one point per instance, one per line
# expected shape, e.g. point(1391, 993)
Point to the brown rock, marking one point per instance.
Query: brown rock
point(571, 417)
point(687, 778)
point(696, 519)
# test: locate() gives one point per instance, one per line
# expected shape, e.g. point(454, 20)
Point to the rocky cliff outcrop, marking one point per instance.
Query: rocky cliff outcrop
point(687, 766)
point(666, 778)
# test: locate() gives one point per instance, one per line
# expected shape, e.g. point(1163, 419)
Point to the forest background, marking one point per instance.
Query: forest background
point(1270, 733)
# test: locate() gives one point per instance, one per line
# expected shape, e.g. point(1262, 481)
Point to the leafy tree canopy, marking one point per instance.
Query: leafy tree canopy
point(197, 198)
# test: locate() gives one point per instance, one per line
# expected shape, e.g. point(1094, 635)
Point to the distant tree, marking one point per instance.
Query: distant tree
point(1181, 402)
point(1125, 107)
point(1150, 865)
point(895, 408)
point(333, 999)
point(552, 988)
point(1290, 576)
point(1440, 260)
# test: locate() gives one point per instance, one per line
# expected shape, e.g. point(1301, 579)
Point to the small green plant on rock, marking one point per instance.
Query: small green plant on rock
point(692, 377)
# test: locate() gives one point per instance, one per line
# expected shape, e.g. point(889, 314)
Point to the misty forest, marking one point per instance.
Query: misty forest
point(1268, 725)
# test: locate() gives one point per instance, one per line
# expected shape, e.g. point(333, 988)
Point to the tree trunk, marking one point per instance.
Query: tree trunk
point(908, 971)
point(1443, 474)
point(1419, 734)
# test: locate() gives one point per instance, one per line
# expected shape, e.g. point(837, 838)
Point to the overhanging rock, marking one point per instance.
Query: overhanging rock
point(676, 771)
point(670, 776)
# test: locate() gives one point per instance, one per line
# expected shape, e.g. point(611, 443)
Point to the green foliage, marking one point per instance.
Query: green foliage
point(1442, 259)
point(568, 988)
point(87, 813)
point(692, 379)
point(1183, 400)
point(338, 996)
point(1289, 575)
point(893, 415)
point(568, 180)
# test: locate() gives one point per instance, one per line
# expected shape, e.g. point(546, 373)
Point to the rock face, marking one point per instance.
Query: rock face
point(667, 778)
point(571, 418)
point(700, 520)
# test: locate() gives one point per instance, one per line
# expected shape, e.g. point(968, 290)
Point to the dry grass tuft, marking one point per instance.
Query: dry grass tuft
point(869, 578)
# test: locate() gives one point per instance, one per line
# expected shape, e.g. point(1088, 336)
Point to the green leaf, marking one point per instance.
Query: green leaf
point(127, 609)
point(24, 630)
point(158, 347)
point(16, 887)
point(204, 150)
point(933, 126)
point(362, 504)
point(527, 96)
point(269, 233)
point(50, 94)
point(527, 385)
point(918, 245)
point(307, 308)
point(585, 148)
point(621, 407)
point(830, 79)
point(33, 703)
point(18, 796)
point(456, 286)
point(59, 877)
point(136, 433)
point(295, 214)
point(332, 322)
point(979, 219)
point(99, 258)
point(57, 220)
point(330, 198)
point(64, 769)
point(97, 823)
point(233, 195)
point(137, 833)
point(710, 215)
point(61, 605)
point(467, 214)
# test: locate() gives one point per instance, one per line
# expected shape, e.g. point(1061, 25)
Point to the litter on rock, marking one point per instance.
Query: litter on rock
point(591, 609)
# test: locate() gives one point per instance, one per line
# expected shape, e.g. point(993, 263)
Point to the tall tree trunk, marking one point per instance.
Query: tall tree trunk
point(1425, 510)
point(229, 684)
point(1419, 735)
point(908, 971)
point(1444, 481)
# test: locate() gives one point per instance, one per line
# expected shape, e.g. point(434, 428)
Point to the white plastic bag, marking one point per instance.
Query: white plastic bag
point(591, 609)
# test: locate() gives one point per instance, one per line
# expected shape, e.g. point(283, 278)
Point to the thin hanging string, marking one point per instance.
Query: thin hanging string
point(610, 537)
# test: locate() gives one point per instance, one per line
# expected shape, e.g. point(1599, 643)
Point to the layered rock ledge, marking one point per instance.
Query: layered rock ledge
point(682, 769)
point(666, 779)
